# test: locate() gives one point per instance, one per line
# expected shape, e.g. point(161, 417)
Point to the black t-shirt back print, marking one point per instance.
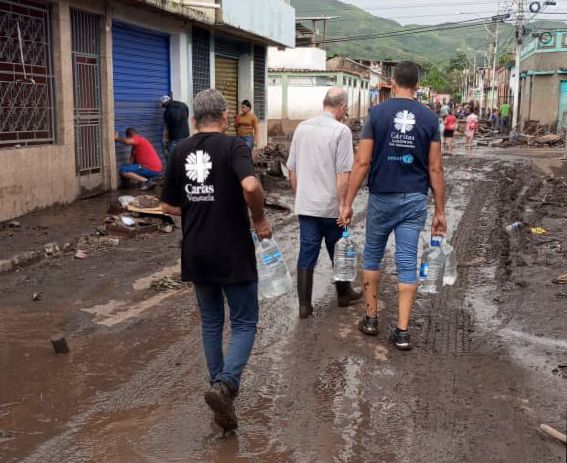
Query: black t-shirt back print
point(203, 178)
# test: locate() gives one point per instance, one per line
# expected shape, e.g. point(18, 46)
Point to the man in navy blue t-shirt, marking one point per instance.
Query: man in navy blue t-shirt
point(400, 151)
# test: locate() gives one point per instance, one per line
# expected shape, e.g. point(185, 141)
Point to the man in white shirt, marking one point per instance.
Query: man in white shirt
point(319, 163)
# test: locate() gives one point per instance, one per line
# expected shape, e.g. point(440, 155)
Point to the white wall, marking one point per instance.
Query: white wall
point(305, 102)
point(313, 59)
point(275, 101)
point(272, 19)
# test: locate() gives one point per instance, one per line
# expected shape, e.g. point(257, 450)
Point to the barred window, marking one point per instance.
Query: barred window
point(260, 82)
point(26, 79)
point(201, 60)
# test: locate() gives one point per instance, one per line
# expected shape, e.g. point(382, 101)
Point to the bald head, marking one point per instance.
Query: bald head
point(335, 98)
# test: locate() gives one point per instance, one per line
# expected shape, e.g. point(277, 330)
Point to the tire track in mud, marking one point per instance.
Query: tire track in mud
point(448, 324)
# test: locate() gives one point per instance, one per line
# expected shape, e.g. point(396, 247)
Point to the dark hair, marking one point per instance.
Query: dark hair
point(247, 103)
point(130, 132)
point(406, 74)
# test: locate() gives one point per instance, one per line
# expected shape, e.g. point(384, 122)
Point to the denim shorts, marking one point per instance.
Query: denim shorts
point(404, 214)
point(140, 170)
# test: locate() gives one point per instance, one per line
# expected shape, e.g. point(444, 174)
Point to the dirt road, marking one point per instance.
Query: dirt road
point(484, 374)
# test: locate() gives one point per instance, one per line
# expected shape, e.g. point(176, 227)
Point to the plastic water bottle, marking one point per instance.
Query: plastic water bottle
point(273, 276)
point(345, 258)
point(450, 272)
point(432, 264)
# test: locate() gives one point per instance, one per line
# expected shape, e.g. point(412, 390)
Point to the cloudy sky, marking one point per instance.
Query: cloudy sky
point(436, 11)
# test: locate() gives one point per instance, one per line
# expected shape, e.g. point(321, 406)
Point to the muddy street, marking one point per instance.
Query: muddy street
point(487, 369)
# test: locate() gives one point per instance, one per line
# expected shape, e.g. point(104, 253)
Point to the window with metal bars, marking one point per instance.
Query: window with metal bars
point(260, 82)
point(26, 80)
point(201, 60)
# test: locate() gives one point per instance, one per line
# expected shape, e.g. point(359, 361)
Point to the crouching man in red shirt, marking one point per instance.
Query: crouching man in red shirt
point(144, 164)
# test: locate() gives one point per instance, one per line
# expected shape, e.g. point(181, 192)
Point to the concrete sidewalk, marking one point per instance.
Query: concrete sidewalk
point(44, 233)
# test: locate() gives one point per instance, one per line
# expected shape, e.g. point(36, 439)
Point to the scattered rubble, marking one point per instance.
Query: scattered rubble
point(59, 344)
point(170, 283)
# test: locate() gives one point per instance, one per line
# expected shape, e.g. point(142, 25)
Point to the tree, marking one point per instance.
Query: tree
point(435, 80)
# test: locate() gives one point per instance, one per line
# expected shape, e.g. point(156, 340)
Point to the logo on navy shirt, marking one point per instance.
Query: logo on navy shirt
point(404, 121)
point(406, 159)
point(198, 168)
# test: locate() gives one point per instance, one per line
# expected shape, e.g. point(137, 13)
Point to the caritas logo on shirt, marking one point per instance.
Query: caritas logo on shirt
point(198, 168)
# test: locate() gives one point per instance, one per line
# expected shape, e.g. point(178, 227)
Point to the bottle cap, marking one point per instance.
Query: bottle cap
point(346, 233)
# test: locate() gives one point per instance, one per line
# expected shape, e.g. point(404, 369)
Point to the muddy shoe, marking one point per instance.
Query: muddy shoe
point(148, 185)
point(401, 339)
point(368, 326)
point(345, 294)
point(220, 399)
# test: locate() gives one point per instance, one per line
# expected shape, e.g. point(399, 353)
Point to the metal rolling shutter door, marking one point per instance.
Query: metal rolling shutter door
point(226, 82)
point(141, 77)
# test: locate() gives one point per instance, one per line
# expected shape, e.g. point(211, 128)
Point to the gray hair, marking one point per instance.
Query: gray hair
point(209, 106)
point(335, 97)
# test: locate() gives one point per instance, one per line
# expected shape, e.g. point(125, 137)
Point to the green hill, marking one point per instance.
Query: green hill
point(436, 47)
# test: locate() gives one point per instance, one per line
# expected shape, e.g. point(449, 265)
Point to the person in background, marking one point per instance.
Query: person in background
point(449, 134)
point(246, 124)
point(319, 163)
point(494, 119)
point(470, 129)
point(442, 128)
point(445, 109)
point(505, 111)
point(211, 183)
point(400, 152)
point(176, 117)
point(144, 163)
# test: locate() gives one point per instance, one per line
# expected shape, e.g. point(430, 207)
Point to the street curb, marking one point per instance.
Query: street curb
point(27, 258)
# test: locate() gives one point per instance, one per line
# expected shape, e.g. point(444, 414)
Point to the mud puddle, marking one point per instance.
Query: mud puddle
point(315, 390)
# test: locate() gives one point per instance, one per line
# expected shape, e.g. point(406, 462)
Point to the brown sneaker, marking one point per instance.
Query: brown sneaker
point(220, 399)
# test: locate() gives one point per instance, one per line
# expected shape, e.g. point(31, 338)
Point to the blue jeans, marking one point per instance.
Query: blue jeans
point(312, 231)
point(243, 303)
point(249, 140)
point(404, 214)
point(138, 169)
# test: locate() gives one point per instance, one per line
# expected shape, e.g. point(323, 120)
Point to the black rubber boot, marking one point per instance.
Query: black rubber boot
point(304, 292)
point(345, 294)
point(220, 399)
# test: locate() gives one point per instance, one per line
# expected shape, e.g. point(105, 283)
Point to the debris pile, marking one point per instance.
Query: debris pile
point(355, 126)
point(270, 159)
point(167, 283)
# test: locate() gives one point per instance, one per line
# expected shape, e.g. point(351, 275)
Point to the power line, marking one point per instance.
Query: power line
point(422, 29)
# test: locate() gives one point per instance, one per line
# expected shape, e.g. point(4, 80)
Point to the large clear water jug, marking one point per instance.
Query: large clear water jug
point(345, 258)
point(274, 278)
point(432, 265)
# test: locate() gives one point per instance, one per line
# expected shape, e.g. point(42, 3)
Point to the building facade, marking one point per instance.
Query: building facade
point(299, 79)
point(72, 72)
point(543, 79)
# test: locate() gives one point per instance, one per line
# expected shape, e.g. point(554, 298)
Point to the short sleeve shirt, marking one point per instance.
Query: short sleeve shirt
point(321, 148)
point(403, 131)
point(176, 118)
point(204, 178)
point(145, 154)
point(505, 110)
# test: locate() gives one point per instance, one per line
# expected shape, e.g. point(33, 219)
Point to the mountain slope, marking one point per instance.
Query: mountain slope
point(436, 47)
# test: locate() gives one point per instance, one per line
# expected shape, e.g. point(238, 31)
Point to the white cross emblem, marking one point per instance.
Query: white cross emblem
point(404, 121)
point(198, 166)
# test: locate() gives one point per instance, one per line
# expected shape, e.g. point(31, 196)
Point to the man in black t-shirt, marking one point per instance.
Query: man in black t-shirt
point(176, 117)
point(210, 182)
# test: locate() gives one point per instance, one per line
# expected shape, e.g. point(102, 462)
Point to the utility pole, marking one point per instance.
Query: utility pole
point(519, 39)
point(494, 58)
